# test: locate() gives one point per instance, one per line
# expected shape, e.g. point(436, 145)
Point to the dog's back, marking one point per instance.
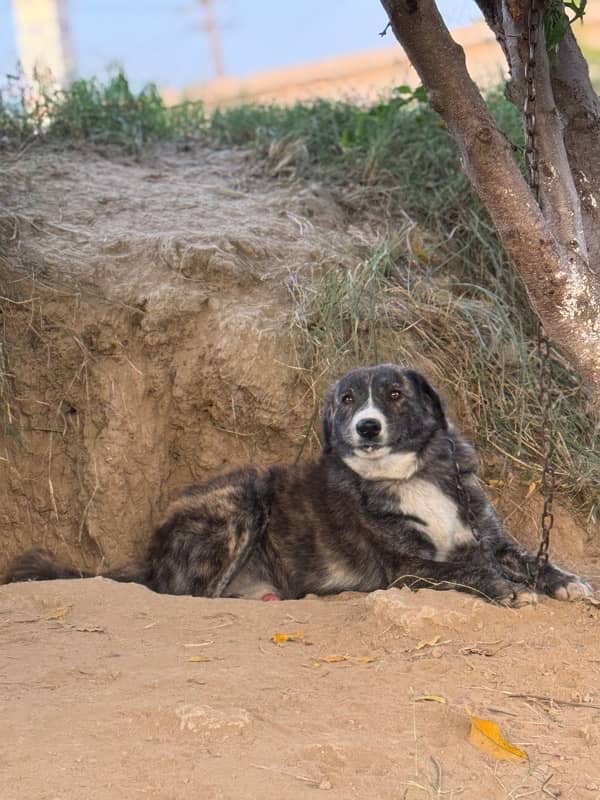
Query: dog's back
point(315, 540)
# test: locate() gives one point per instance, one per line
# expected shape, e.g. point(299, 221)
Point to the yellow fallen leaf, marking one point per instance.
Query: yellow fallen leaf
point(430, 643)
point(198, 659)
point(494, 483)
point(332, 659)
point(532, 487)
point(486, 736)
point(280, 638)
point(421, 253)
point(430, 698)
point(59, 613)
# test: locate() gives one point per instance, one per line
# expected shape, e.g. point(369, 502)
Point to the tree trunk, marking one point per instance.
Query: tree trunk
point(551, 248)
point(579, 107)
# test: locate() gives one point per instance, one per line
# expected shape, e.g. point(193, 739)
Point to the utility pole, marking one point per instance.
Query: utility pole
point(212, 31)
point(44, 40)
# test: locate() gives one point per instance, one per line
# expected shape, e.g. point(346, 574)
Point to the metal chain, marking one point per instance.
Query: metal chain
point(543, 343)
point(531, 158)
point(547, 479)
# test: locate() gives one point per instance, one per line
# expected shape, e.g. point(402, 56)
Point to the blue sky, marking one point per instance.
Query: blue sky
point(163, 41)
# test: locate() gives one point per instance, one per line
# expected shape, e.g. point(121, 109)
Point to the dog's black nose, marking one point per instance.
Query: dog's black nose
point(368, 428)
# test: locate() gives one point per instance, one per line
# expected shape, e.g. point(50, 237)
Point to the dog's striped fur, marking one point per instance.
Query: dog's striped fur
point(380, 507)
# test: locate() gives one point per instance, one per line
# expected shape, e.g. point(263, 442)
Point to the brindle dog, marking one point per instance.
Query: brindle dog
point(381, 507)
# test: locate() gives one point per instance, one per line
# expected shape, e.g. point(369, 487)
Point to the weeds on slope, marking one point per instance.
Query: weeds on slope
point(474, 346)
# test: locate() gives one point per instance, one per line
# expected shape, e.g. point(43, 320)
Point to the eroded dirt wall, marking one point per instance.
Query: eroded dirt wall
point(147, 339)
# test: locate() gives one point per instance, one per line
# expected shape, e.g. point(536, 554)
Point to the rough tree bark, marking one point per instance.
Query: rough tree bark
point(557, 248)
point(579, 108)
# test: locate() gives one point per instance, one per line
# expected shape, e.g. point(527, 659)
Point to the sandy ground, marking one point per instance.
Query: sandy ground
point(111, 691)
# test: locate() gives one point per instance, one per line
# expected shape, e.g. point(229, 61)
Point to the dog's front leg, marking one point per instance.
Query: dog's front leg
point(469, 570)
point(551, 580)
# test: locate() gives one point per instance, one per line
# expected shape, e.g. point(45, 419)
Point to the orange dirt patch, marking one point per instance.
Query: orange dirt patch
point(108, 690)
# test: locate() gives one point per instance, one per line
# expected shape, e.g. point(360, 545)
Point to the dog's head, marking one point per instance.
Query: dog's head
point(379, 419)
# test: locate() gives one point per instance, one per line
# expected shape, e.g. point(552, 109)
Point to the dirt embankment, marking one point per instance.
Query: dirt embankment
point(147, 337)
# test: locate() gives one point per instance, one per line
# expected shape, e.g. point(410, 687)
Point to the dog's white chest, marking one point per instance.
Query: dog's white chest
point(439, 516)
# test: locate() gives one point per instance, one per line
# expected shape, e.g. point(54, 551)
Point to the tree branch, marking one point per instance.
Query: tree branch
point(558, 194)
point(492, 12)
point(560, 287)
point(579, 108)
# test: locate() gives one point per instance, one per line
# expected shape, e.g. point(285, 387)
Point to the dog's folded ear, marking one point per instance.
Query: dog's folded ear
point(327, 424)
point(430, 399)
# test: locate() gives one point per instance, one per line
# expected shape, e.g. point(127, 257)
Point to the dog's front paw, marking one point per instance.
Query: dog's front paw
point(562, 585)
point(516, 595)
point(524, 597)
point(574, 588)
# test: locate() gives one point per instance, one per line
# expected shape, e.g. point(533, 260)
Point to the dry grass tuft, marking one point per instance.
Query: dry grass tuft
point(394, 307)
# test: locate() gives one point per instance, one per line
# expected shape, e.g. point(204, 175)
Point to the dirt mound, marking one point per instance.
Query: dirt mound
point(147, 337)
point(127, 693)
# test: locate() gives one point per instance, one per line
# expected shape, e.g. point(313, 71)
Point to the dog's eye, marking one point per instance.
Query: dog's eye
point(395, 394)
point(347, 398)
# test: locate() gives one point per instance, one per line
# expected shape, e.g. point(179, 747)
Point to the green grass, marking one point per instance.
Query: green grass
point(437, 287)
point(88, 110)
